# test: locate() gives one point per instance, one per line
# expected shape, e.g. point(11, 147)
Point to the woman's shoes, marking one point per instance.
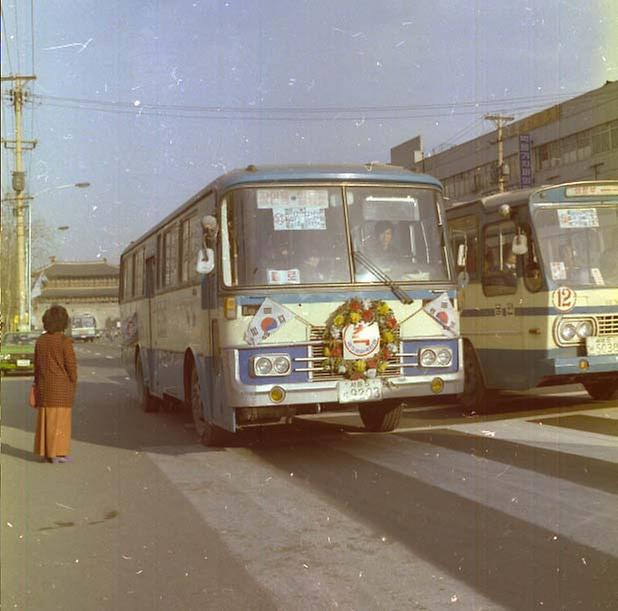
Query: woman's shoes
point(60, 459)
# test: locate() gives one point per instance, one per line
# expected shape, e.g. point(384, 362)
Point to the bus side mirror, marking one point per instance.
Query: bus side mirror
point(205, 261)
point(210, 227)
point(520, 244)
point(462, 252)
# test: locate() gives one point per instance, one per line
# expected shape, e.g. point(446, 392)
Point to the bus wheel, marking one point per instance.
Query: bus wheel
point(380, 417)
point(603, 390)
point(209, 434)
point(146, 401)
point(475, 395)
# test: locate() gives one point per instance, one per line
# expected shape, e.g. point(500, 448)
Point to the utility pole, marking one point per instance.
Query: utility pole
point(18, 97)
point(500, 121)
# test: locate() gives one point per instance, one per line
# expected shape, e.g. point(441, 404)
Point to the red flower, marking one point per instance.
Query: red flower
point(367, 315)
point(372, 363)
point(357, 375)
point(355, 305)
point(335, 351)
point(391, 323)
point(385, 354)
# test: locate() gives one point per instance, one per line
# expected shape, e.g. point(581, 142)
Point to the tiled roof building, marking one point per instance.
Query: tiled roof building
point(80, 286)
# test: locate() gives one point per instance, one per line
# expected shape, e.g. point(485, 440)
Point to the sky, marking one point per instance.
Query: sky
point(149, 101)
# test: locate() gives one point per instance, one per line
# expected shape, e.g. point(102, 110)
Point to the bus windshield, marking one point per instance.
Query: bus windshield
point(297, 235)
point(82, 322)
point(579, 245)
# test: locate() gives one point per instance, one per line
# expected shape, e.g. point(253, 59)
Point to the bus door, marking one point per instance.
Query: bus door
point(499, 337)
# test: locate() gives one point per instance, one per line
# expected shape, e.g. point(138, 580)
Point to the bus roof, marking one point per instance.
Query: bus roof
point(555, 192)
point(367, 173)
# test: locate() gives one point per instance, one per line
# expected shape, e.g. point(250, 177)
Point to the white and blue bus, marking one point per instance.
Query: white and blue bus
point(284, 290)
point(540, 303)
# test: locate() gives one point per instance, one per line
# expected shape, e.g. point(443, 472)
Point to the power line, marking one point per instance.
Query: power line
point(6, 39)
point(494, 103)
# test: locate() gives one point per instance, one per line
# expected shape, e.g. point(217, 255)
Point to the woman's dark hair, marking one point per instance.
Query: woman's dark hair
point(55, 319)
point(382, 226)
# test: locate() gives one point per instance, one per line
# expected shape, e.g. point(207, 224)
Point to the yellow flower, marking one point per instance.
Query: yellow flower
point(388, 337)
point(383, 308)
point(382, 366)
point(355, 317)
point(339, 320)
point(360, 365)
point(326, 351)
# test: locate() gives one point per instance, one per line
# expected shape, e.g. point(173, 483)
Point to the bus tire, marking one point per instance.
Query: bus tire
point(602, 390)
point(147, 402)
point(475, 396)
point(380, 417)
point(209, 433)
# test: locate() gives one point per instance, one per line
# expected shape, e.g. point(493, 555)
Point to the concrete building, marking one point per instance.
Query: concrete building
point(81, 287)
point(571, 141)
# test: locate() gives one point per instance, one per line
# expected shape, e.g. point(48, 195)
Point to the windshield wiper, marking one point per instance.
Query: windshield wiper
point(380, 275)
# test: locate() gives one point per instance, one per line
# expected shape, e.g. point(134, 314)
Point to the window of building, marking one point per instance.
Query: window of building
point(601, 139)
point(499, 262)
point(613, 127)
point(138, 273)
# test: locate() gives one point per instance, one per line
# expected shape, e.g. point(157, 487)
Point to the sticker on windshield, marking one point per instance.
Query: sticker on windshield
point(283, 276)
point(292, 198)
point(578, 218)
point(299, 219)
point(597, 276)
point(558, 270)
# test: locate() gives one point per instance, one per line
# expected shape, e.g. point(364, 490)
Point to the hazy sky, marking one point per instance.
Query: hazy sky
point(149, 101)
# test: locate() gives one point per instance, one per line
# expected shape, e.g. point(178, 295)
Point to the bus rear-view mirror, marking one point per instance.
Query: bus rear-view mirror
point(520, 244)
point(462, 252)
point(205, 261)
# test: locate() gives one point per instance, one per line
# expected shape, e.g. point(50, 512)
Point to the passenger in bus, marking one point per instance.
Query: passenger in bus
point(574, 272)
point(381, 248)
point(609, 260)
point(312, 269)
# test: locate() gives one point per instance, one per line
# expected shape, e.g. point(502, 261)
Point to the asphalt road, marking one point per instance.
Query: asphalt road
point(515, 509)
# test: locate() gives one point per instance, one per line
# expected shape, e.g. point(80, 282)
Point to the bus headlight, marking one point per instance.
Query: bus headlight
point(271, 365)
point(262, 366)
point(567, 332)
point(445, 356)
point(427, 357)
point(584, 329)
point(281, 365)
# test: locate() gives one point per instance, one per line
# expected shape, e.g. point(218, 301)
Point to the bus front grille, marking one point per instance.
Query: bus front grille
point(607, 324)
point(316, 360)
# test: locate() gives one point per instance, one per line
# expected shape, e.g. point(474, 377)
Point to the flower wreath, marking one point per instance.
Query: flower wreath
point(352, 312)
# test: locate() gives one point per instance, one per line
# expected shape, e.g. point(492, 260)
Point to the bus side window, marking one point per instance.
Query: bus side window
point(533, 276)
point(499, 262)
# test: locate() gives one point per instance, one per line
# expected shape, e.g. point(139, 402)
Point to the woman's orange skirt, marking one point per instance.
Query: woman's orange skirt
point(53, 432)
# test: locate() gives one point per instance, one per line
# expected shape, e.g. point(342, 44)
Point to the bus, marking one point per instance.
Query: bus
point(285, 290)
point(538, 271)
point(83, 327)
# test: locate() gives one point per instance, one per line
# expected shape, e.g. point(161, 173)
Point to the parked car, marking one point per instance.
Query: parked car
point(17, 352)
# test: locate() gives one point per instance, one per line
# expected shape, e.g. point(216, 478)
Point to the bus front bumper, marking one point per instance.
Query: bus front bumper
point(330, 392)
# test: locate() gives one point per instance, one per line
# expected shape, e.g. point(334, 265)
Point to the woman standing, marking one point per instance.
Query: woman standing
point(55, 377)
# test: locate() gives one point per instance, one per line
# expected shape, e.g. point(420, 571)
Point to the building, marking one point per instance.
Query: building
point(571, 141)
point(81, 287)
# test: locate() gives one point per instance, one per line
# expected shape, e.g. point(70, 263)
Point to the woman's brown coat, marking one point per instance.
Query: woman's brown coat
point(55, 370)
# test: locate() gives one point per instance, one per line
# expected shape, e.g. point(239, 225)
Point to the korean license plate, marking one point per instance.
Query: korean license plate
point(23, 363)
point(351, 391)
point(601, 345)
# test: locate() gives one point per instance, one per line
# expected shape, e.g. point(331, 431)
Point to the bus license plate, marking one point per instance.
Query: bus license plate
point(351, 391)
point(23, 363)
point(601, 345)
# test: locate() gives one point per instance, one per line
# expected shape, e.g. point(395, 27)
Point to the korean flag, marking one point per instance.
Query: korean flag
point(442, 310)
point(269, 318)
